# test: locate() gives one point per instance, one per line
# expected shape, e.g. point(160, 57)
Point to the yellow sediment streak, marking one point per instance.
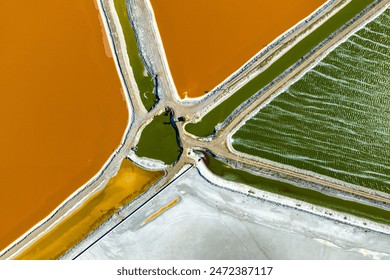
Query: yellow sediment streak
point(162, 210)
point(125, 186)
point(70, 107)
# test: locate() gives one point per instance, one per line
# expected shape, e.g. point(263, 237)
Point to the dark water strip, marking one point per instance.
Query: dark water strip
point(224, 111)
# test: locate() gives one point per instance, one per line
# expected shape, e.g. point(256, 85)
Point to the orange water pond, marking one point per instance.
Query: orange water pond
point(206, 41)
point(62, 108)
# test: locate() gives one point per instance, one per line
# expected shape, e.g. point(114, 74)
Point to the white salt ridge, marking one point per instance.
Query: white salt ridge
point(222, 222)
point(147, 163)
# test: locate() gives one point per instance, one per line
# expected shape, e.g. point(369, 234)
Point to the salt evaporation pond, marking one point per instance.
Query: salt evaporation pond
point(209, 222)
point(206, 41)
point(336, 119)
point(62, 108)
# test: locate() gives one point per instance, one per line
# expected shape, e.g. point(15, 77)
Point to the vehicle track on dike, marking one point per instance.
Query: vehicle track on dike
point(152, 48)
point(139, 118)
point(219, 145)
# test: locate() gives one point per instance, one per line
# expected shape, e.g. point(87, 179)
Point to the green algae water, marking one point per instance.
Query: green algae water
point(310, 196)
point(143, 79)
point(335, 120)
point(159, 140)
point(206, 126)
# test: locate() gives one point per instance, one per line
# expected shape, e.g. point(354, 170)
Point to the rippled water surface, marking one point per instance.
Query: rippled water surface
point(336, 119)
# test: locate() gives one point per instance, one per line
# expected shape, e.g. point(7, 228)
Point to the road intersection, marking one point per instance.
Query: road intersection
point(219, 144)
